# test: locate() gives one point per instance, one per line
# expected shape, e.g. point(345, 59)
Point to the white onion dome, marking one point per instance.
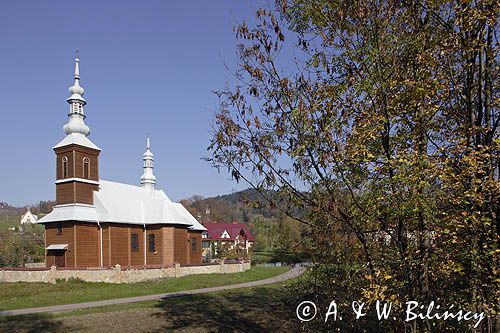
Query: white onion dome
point(76, 89)
point(148, 179)
point(76, 125)
point(148, 154)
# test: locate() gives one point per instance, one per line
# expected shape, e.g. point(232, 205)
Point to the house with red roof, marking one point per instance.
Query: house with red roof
point(225, 235)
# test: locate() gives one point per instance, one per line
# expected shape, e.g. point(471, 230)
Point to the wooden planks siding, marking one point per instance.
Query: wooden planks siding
point(66, 237)
point(75, 155)
point(195, 257)
point(106, 254)
point(151, 257)
point(69, 156)
point(180, 248)
point(75, 192)
point(167, 245)
point(120, 244)
point(79, 156)
point(84, 193)
point(173, 244)
point(65, 193)
point(137, 258)
point(87, 244)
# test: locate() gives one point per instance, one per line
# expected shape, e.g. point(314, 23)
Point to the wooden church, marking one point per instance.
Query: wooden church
point(98, 223)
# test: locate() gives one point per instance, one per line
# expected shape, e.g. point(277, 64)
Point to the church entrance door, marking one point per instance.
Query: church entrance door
point(60, 259)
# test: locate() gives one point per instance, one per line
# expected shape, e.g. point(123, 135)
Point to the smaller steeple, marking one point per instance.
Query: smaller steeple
point(148, 179)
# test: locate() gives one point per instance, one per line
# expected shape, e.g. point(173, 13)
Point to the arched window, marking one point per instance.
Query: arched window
point(64, 167)
point(86, 167)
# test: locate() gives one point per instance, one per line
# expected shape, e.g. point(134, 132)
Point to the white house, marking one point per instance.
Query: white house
point(29, 218)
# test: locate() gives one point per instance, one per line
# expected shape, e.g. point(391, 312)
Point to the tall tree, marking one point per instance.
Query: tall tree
point(387, 132)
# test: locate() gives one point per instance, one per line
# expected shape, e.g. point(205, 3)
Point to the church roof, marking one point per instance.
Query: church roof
point(77, 139)
point(123, 203)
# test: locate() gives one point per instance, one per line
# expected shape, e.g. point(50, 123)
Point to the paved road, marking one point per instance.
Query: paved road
point(294, 272)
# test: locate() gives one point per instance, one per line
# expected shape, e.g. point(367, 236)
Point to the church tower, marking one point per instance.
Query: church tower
point(77, 158)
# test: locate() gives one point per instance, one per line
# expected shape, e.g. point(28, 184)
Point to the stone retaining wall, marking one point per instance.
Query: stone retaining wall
point(117, 274)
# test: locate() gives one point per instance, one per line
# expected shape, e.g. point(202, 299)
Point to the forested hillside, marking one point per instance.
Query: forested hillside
point(278, 237)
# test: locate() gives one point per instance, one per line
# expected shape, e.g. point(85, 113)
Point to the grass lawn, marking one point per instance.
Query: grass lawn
point(8, 221)
point(261, 257)
point(257, 309)
point(25, 295)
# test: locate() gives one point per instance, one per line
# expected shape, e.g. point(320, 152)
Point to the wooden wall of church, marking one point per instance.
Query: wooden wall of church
point(75, 192)
point(120, 244)
point(66, 236)
point(172, 244)
point(87, 245)
point(106, 249)
point(195, 256)
point(75, 155)
point(69, 155)
point(65, 193)
point(180, 249)
point(94, 164)
point(167, 246)
point(84, 193)
point(155, 257)
point(137, 257)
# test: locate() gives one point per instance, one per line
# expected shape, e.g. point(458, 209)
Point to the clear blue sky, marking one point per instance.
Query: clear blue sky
point(146, 66)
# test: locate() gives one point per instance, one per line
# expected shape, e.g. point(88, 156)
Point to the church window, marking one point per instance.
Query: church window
point(151, 243)
point(86, 168)
point(64, 166)
point(134, 242)
point(193, 244)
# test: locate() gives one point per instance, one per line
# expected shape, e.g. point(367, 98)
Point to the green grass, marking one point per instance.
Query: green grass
point(25, 295)
point(9, 221)
point(256, 309)
point(261, 257)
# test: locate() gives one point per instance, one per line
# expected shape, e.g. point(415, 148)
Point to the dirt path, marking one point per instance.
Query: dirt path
point(294, 272)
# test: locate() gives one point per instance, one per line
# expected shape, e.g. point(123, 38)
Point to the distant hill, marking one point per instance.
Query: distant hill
point(10, 216)
point(239, 206)
point(42, 207)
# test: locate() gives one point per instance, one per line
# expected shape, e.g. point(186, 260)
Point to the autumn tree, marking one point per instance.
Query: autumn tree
point(381, 119)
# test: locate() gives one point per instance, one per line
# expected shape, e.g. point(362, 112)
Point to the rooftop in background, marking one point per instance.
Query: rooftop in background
point(227, 231)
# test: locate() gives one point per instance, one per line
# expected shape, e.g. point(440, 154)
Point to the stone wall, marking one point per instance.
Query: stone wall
point(116, 274)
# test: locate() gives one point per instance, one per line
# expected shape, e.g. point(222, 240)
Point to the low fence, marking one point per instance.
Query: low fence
point(117, 274)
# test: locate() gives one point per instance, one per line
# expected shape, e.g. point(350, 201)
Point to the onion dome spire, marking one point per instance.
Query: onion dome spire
point(76, 114)
point(148, 179)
